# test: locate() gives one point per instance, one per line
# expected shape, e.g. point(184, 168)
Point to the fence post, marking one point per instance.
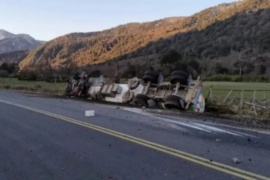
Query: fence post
point(254, 96)
point(211, 95)
point(264, 96)
point(241, 100)
point(253, 102)
point(232, 100)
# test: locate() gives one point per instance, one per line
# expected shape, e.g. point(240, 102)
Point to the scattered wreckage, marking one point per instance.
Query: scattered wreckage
point(182, 92)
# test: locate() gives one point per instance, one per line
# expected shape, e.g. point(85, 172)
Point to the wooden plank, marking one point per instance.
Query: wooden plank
point(255, 105)
point(254, 96)
point(228, 95)
point(211, 94)
point(241, 100)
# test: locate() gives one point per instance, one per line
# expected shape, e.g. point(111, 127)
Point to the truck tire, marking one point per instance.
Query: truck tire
point(147, 78)
point(174, 102)
point(151, 76)
point(180, 72)
point(128, 97)
point(134, 85)
point(150, 72)
point(179, 78)
point(99, 97)
point(141, 100)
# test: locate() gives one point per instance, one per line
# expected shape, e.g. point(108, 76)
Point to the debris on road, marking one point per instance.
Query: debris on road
point(89, 113)
point(236, 161)
point(218, 140)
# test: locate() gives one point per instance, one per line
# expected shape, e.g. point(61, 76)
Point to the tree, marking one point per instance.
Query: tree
point(130, 72)
point(244, 67)
point(261, 69)
point(9, 67)
point(95, 73)
point(218, 69)
point(171, 58)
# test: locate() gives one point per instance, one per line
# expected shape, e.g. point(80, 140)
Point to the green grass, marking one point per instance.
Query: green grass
point(37, 86)
point(221, 89)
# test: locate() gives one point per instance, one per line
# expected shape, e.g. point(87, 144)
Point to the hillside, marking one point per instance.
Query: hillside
point(17, 42)
point(222, 35)
point(13, 57)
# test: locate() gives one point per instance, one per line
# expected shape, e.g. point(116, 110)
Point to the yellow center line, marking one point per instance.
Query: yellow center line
point(167, 150)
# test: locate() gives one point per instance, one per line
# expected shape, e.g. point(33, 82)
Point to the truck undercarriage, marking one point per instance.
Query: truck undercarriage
point(181, 92)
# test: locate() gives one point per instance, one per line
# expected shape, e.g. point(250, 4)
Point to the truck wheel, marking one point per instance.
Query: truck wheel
point(180, 72)
point(174, 102)
point(128, 97)
point(151, 76)
point(179, 78)
point(99, 97)
point(134, 84)
point(147, 78)
point(141, 100)
point(151, 73)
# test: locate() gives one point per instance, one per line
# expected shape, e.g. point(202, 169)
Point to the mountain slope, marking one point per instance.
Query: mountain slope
point(143, 39)
point(10, 42)
point(4, 34)
point(13, 57)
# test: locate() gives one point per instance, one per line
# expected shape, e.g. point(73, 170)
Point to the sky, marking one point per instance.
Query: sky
point(48, 19)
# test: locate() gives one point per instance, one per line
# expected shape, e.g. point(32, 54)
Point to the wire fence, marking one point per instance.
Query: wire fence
point(247, 101)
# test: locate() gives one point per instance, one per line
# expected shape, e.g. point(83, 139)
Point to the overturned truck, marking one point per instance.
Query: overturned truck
point(180, 92)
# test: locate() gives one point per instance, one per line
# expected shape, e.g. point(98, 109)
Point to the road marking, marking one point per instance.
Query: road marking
point(167, 150)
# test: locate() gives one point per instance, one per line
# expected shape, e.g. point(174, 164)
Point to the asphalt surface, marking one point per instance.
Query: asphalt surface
point(35, 145)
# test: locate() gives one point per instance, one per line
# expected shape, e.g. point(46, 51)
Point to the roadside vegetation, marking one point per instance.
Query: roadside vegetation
point(240, 99)
point(34, 86)
point(221, 89)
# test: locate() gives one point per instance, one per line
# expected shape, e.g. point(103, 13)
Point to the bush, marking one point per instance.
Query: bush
point(27, 75)
point(3, 73)
point(218, 77)
point(7, 86)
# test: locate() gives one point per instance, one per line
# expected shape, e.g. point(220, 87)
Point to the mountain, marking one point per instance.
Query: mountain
point(218, 36)
point(13, 57)
point(4, 34)
point(10, 42)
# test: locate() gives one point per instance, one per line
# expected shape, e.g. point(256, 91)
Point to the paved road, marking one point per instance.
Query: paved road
point(46, 138)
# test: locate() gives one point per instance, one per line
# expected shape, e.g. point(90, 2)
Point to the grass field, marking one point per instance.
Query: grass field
point(221, 89)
